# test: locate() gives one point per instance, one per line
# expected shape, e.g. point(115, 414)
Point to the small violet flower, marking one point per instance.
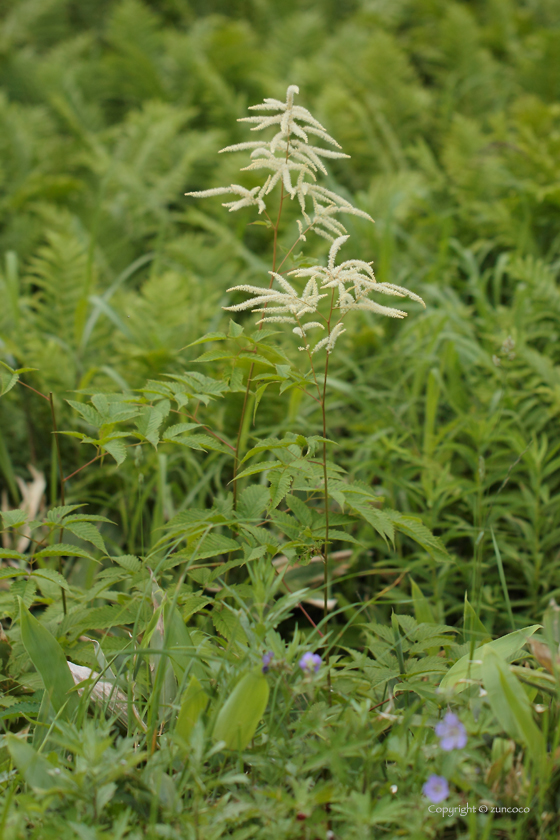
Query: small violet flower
point(452, 733)
point(310, 662)
point(436, 789)
point(266, 660)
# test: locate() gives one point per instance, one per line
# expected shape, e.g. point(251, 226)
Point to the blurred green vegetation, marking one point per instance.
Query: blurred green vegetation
point(111, 111)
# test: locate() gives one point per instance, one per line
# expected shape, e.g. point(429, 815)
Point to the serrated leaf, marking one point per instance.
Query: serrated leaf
point(211, 546)
point(194, 603)
point(280, 483)
point(56, 514)
point(416, 530)
point(5, 574)
point(300, 510)
point(256, 358)
point(52, 576)
point(253, 501)
point(8, 554)
point(117, 449)
point(88, 412)
point(178, 429)
point(86, 531)
point(63, 550)
point(129, 562)
point(150, 419)
point(14, 518)
point(211, 336)
point(259, 468)
point(227, 624)
point(269, 444)
point(374, 517)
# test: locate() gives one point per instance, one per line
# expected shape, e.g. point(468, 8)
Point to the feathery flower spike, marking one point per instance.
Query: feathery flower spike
point(293, 161)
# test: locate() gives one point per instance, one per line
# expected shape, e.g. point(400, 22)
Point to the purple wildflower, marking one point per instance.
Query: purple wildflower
point(452, 733)
point(310, 662)
point(266, 660)
point(436, 789)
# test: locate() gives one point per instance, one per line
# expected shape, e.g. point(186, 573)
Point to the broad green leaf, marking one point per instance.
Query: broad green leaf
point(258, 397)
point(422, 609)
point(505, 647)
point(239, 717)
point(473, 627)
point(193, 703)
point(510, 703)
point(7, 381)
point(235, 330)
point(179, 641)
point(49, 660)
point(34, 767)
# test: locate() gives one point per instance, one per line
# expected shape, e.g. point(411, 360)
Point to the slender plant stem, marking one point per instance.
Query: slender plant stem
point(326, 496)
point(252, 368)
point(25, 385)
point(62, 495)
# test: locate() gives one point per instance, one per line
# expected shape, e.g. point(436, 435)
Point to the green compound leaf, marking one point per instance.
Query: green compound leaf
point(239, 717)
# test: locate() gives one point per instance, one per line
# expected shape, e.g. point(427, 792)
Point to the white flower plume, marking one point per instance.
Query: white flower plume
point(292, 161)
point(352, 281)
point(290, 306)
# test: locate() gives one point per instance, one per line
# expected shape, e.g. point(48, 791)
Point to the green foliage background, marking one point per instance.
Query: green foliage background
point(111, 111)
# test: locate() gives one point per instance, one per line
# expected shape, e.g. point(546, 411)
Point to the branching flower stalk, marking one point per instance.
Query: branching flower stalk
point(329, 292)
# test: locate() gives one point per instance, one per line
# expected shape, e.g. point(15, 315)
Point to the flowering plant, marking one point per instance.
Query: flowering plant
point(315, 298)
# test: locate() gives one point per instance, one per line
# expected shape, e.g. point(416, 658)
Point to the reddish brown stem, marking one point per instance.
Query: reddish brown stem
point(34, 390)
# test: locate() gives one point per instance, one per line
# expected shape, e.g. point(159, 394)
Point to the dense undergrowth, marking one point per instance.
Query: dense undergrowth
point(444, 520)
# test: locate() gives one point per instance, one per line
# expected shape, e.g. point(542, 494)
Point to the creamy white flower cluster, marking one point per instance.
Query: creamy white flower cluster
point(294, 162)
point(351, 283)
